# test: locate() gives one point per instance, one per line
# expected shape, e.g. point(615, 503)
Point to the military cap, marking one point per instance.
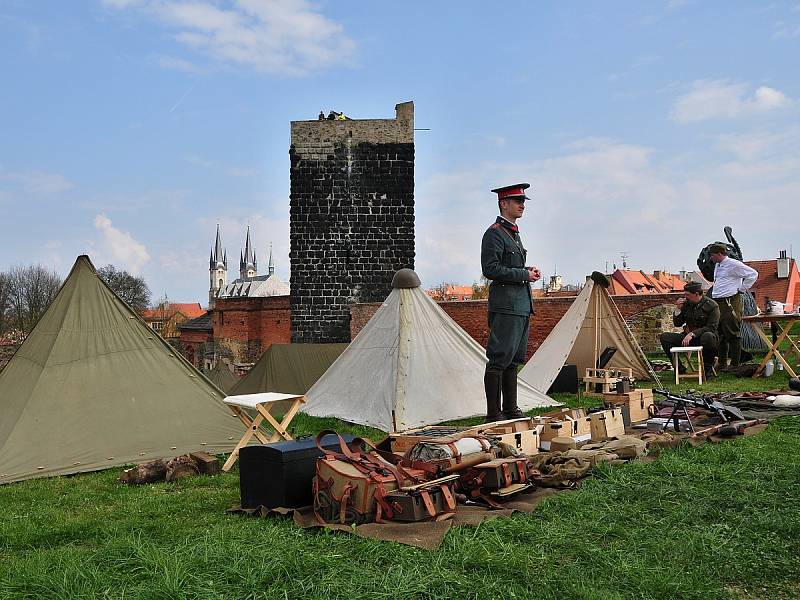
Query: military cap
point(693, 288)
point(714, 248)
point(512, 192)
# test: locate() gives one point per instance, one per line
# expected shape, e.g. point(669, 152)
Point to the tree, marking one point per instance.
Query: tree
point(31, 290)
point(131, 289)
point(5, 302)
point(480, 290)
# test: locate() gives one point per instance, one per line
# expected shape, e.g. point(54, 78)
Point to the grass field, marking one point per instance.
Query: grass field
point(719, 521)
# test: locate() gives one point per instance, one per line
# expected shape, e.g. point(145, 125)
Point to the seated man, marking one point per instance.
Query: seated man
point(699, 315)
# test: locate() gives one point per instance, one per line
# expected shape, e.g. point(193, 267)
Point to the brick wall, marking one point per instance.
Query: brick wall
point(193, 342)
point(245, 327)
point(351, 215)
point(471, 315)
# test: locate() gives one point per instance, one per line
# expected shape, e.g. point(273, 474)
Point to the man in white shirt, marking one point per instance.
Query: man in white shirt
point(731, 277)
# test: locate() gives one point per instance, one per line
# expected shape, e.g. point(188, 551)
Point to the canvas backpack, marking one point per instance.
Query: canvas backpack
point(358, 485)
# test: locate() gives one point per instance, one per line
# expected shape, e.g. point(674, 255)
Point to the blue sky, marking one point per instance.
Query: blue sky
point(130, 128)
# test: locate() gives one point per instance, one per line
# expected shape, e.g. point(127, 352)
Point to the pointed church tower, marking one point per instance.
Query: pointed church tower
point(247, 260)
point(217, 270)
point(271, 262)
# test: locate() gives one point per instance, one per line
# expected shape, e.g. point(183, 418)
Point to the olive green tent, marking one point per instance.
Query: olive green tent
point(94, 387)
point(289, 368)
point(222, 377)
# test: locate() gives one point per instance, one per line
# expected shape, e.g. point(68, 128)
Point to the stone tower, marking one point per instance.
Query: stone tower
point(248, 267)
point(217, 270)
point(351, 217)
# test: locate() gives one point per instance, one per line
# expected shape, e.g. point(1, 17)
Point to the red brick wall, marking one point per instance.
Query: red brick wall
point(248, 326)
point(471, 315)
point(193, 341)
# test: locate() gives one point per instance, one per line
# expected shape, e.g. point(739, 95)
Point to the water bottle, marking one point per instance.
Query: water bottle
point(769, 369)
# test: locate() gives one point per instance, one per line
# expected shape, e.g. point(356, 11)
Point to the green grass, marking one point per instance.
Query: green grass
point(719, 521)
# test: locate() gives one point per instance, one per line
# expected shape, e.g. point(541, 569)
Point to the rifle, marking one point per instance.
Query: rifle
point(725, 412)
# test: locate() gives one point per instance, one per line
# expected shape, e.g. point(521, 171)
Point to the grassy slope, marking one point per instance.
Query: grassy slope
point(710, 522)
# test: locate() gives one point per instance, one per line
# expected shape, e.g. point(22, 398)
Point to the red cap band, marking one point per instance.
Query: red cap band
point(502, 194)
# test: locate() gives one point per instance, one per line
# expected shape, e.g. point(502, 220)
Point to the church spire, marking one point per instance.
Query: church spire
point(271, 262)
point(218, 255)
point(248, 267)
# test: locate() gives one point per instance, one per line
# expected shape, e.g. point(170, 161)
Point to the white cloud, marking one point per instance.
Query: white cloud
point(177, 64)
point(786, 30)
point(119, 247)
point(287, 37)
point(600, 197)
point(725, 99)
point(37, 182)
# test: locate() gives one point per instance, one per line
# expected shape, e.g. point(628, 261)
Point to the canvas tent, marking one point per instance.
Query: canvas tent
point(222, 377)
point(94, 387)
point(289, 368)
point(411, 365)
point(591, 324)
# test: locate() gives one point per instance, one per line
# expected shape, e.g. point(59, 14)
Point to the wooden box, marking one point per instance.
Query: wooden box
point(606, 424)
point(638, 403)
point(564, 423)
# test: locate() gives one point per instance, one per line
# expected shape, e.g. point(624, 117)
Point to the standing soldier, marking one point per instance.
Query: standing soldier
point(510, 303)
point(731, 278)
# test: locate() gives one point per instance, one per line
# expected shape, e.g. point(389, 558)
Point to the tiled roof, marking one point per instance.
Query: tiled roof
point(768, 285)
point(187, 309)
point(201, 323)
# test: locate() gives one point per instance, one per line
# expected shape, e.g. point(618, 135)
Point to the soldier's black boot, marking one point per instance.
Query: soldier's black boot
point(709, 358)
point(735, 351)
point(492, 383)
point(510, 408)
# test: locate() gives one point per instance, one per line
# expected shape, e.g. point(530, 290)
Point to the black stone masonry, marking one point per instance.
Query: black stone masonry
point(351, 218)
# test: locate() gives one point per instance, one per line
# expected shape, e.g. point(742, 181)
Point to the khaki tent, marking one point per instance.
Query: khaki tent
point(289, 368)
point(94, 387)
point(411, 365)
point(222, 377)
point(590, 325)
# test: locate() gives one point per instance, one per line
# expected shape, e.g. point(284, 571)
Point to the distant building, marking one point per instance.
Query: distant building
point(779, 280)
point(625, 282)
point(197, 339)
point(166, 318)
point(450, 292)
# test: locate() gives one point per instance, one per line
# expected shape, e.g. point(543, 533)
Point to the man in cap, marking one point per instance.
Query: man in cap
point(699, 315)
point(731, 278)
point(510, 303)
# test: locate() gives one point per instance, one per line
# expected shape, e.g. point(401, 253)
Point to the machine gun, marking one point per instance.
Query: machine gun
point(679, 402)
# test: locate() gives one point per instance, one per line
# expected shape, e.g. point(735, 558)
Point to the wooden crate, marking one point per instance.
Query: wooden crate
point(605, 377)
point(606, 424)
point(638, 403)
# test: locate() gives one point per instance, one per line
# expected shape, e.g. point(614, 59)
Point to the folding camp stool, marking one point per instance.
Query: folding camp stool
point(688, 351)
point(262, 404)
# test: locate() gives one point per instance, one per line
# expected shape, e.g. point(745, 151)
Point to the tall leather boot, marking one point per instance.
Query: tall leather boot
point(735, 351)
point(709, 356)
point(510, 408)
point(492, 382)
point(723, 352)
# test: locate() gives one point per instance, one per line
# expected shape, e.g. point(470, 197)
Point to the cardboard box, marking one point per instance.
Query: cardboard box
point(637, 401)
point(606, 424)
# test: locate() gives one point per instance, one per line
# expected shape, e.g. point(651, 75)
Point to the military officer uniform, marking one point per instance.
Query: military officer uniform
point(701, 320)
point(510, 307)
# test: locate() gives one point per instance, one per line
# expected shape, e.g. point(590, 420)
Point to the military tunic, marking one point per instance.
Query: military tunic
point(510, 302)
point(701, 320)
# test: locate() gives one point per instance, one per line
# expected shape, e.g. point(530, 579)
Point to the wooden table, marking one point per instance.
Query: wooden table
point(262, 405)
point(784, 324)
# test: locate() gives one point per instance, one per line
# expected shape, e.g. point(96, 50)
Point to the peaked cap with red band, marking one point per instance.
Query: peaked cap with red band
point(512, 192)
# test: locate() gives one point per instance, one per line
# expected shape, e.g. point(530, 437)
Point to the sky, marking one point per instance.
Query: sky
point(130, 128)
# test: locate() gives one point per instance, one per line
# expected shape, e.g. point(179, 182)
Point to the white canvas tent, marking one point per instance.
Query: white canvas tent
point(591, 324)
point(410, 366)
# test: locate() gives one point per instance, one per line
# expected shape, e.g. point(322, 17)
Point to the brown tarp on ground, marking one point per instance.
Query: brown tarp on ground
point(427, 535)
point(94, 387)
point(288, 368)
